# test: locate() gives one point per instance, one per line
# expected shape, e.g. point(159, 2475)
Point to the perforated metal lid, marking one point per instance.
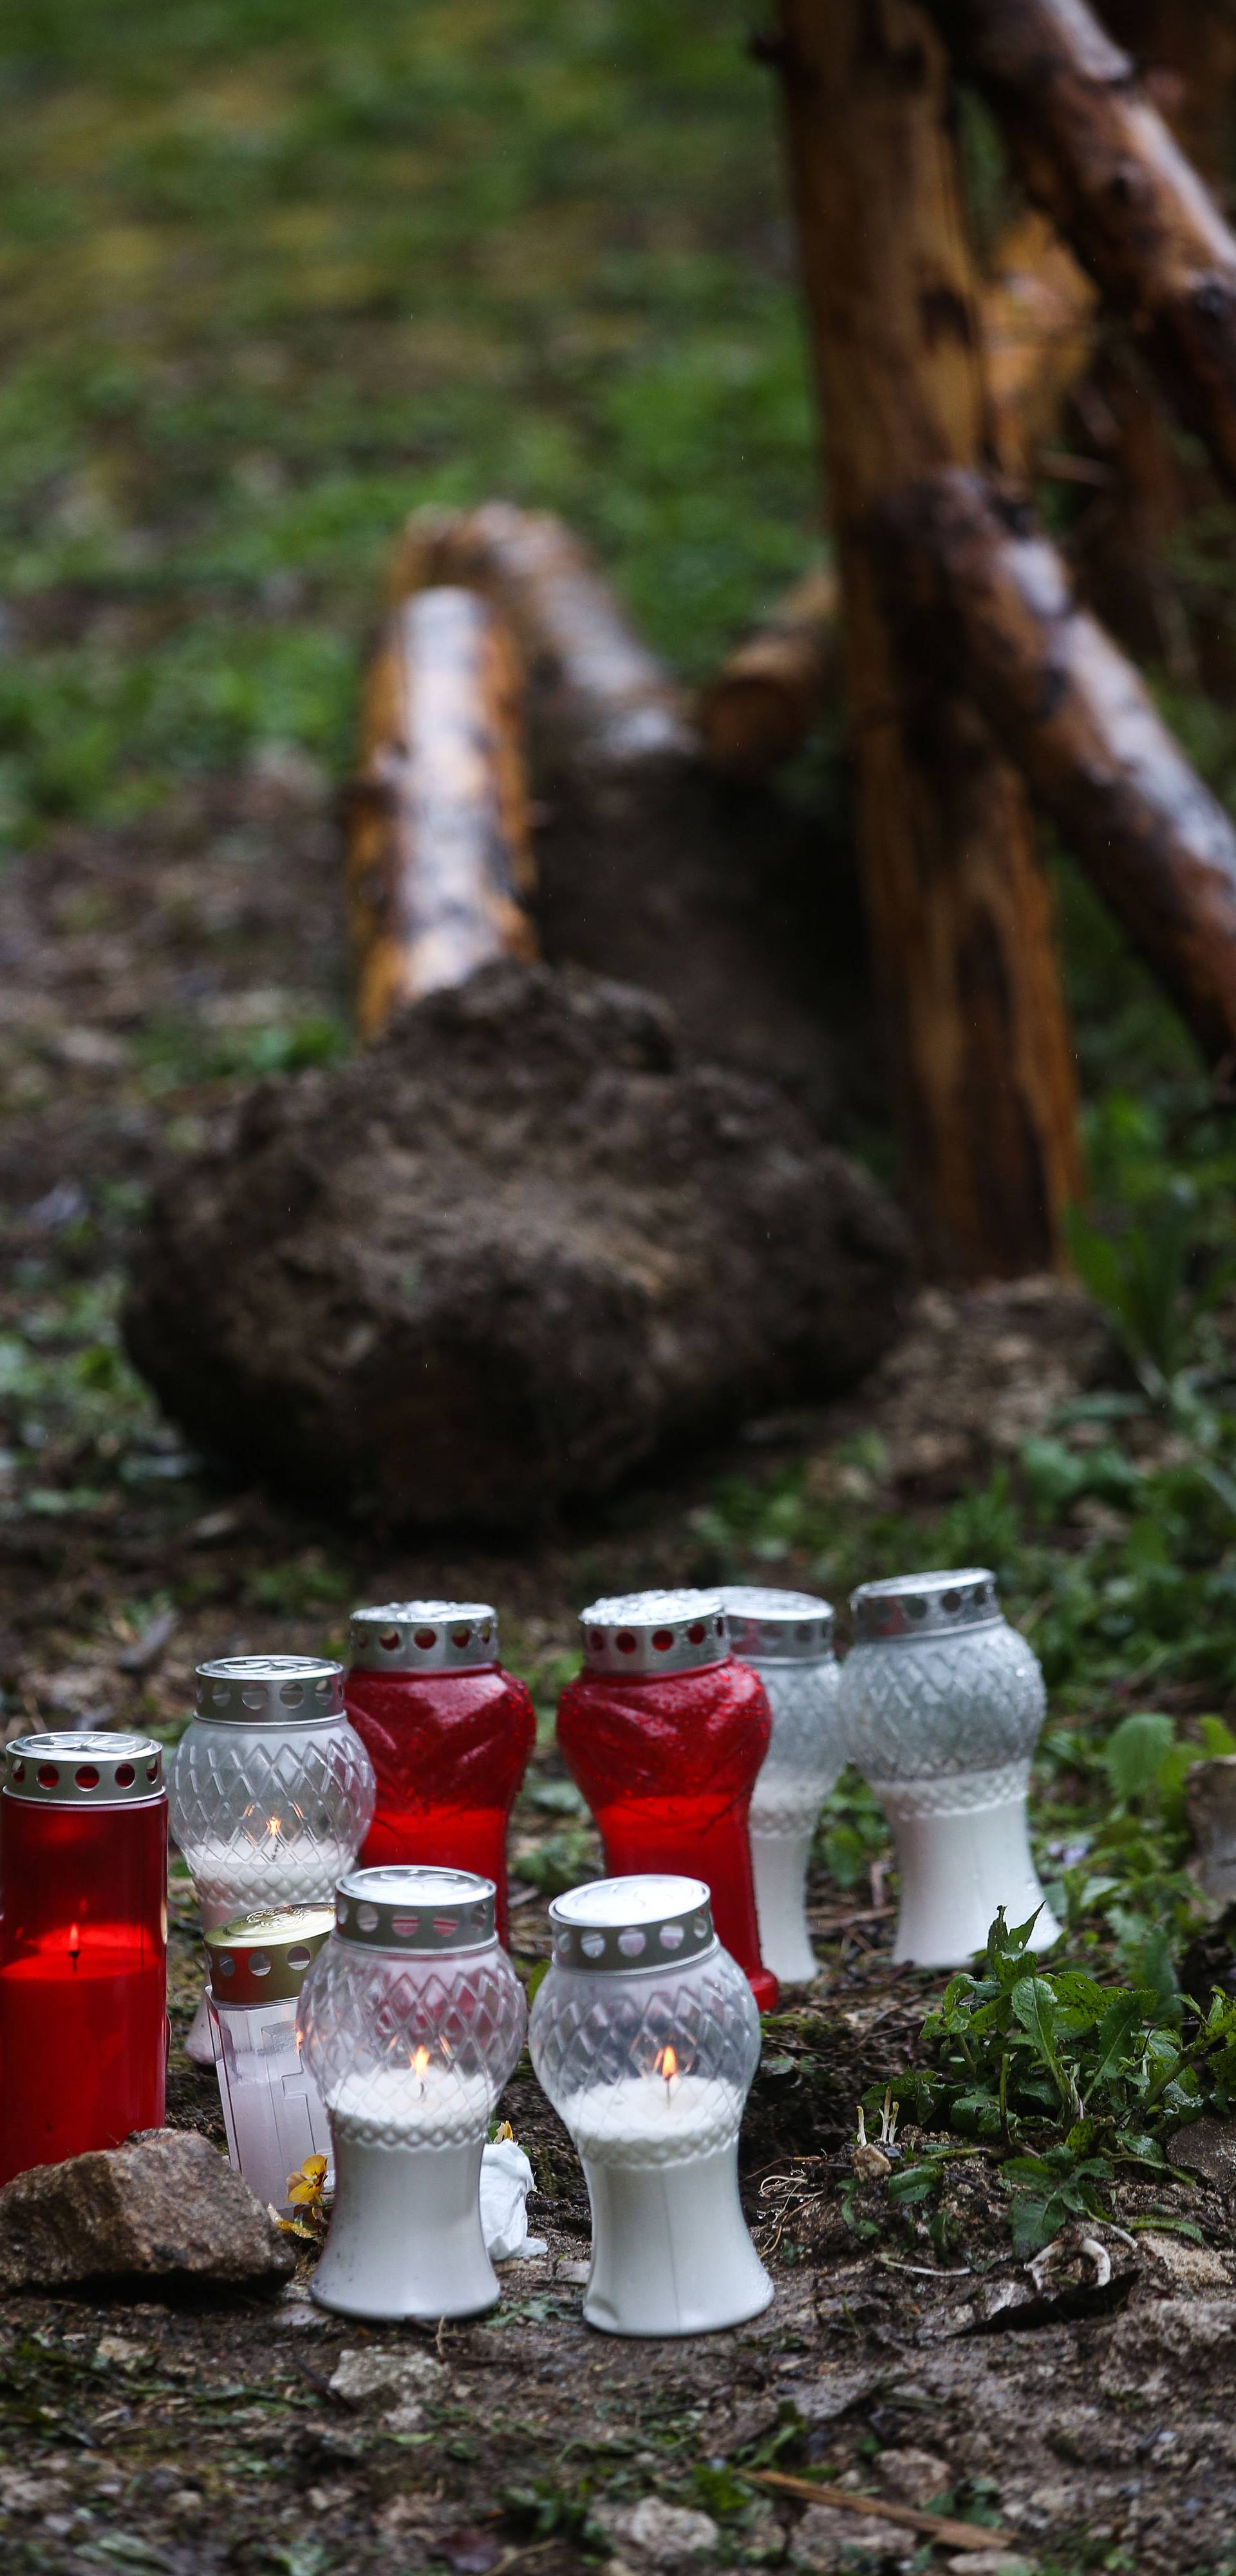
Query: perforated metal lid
point(654, 1632)
point(83, 1770)
point(424, 1637)
point(767, 1627)
point(925, 1605)
point(262, 1958)
point(615, 1925)
point(269, 1690)
point(401, 1908)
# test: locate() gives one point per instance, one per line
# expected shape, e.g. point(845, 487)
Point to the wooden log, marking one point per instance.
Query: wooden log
point(769, 690)
point(975, 585)
point(957, 899)
point(1038, 311)
point(597, 693)
point(649, 868)
point(1099, 158)
point(439, 856)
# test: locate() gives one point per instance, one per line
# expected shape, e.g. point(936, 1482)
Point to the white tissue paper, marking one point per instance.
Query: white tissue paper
point(506, 2180)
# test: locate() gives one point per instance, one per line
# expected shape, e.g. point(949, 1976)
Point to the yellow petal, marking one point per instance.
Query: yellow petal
point(314, 2168)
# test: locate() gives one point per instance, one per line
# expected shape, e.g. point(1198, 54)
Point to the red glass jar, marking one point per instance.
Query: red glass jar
point(83, 1945)
point(447, 1731)
point(665, 1733)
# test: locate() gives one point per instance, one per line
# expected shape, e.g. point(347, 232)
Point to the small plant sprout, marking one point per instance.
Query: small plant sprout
point(870, 2162)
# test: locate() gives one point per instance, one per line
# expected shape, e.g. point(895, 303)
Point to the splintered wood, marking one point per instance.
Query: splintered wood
point(439, 857)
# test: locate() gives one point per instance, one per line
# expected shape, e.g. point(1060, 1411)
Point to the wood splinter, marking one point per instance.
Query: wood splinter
point(439, 857)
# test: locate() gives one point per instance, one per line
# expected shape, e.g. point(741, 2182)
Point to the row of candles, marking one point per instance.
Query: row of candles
point(369, 2012)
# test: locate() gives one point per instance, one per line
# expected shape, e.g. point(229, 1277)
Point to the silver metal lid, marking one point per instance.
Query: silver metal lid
point(768, 1627)
point(84, 1770)
point(925, 1605)
point(654, 1632)
point(269, 1690)
point(401, 1908)
point(615, 1925)
point(262, 1958)
point(424, 1637)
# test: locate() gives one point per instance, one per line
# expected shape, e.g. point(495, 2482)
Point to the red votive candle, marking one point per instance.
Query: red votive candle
point(448, 1733)
point(83, 1945)
point(664, 1732)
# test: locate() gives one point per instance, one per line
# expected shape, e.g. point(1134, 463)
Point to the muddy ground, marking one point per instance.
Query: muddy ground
point(150, 974)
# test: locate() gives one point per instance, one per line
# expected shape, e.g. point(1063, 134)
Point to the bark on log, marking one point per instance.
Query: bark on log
point(958, 902)
point(1099, 158)
point(981, 591)
point(648, 867)
point(439, 855)
point(1038, 314)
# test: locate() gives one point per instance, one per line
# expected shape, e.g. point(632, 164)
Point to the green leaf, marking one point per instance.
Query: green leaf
point(1035, 2007)
point(1134, 1750)
point(1125, 2014)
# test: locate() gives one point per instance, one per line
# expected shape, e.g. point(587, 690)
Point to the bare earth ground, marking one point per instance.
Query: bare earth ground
point(150, 2436)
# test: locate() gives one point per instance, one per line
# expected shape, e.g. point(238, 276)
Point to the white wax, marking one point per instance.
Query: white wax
point(272, 1870)
point(653, 2119)
point(399, 2105)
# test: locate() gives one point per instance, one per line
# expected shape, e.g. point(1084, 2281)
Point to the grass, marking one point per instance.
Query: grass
point(273, 278)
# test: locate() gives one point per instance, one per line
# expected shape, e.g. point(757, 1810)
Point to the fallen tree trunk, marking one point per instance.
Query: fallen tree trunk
point(957, 899)
point(1101, 161)
point(648, 868)
point(976, 587)
point(439, 855)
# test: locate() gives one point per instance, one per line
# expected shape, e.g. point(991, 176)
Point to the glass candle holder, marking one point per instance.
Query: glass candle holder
point(411, 2018)
point(664, 1733)
point(83, 1945)
point(787, 1638)
point(447, 1730)
point(272, 2110)
point(271, 1791)
point(940, 1707)
point(645, 2036)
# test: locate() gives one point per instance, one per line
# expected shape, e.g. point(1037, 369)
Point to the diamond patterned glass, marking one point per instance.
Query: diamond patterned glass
point(650, 2068)
point(269, 1815)
point(914, 1708)
point(804, 1755)
point(411, 2049)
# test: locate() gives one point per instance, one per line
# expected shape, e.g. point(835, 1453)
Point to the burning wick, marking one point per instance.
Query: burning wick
point(667, 2065)
point(75, 1945)
point(273, 1828)
point(420, 2062)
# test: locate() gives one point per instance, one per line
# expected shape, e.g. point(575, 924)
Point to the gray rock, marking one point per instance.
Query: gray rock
point(407, 2378)
point(824, 2540)
point(505, 1256)
point(653, 2534)
point(165, 2207)
point(1156, 2349)
point(1206, 2147)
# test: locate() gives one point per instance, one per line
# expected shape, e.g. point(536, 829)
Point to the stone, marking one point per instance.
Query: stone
point(1169, 2342)
point(165, 2207)
point(911, 2477)
point(504, 1257)
point(1210, 1805)
point(406, 2377)
point(1190, 2266)
point(825, 2540)
point(660, 2535)
point(990, 2562)
point(1207, 2147)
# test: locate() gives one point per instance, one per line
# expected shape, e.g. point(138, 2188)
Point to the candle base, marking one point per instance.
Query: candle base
point(963, 1850)
point(779, 1862)
point(405, 2234)
point(670, 2250)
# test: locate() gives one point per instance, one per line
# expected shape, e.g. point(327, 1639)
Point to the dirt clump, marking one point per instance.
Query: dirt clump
point(504, 1257)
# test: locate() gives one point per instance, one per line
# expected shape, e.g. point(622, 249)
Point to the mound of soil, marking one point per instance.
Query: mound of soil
point(505, 1256)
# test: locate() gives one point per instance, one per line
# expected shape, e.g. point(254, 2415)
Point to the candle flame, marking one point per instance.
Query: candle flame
point(75, 1944)
point(420, 2061)
point(274, 1827)
point(667, 2063)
